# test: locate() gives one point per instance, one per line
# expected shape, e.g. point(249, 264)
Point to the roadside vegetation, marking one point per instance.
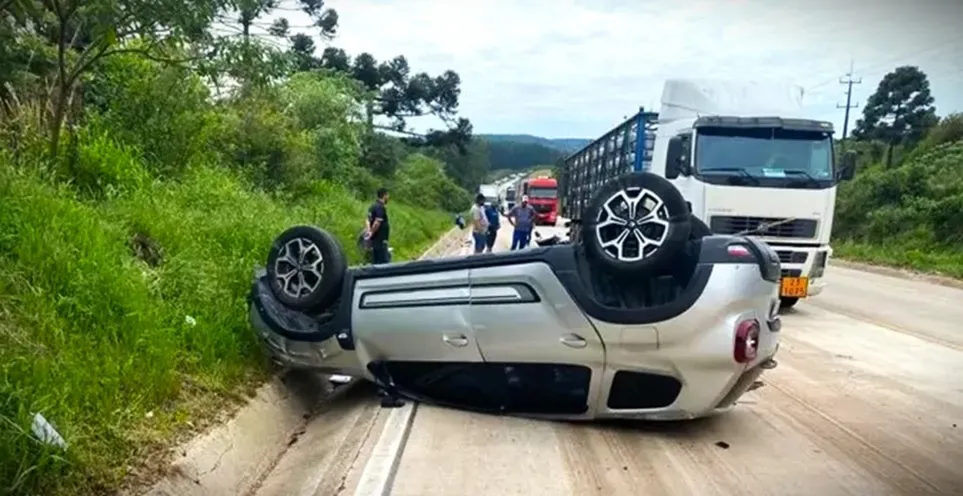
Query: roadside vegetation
point(904, 207)
point(149, 153)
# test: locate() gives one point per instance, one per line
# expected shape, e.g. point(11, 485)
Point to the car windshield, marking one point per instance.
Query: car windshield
point(770, 153)
point(542, 192)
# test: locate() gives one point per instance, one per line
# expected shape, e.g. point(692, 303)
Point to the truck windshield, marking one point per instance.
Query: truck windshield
point(510, 195)
point(537, 192)
point(766, 153)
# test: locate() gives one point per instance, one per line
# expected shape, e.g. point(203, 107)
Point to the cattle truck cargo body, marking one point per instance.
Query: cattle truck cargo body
point(746, 159)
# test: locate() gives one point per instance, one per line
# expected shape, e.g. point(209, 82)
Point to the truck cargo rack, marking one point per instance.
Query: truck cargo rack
point(626, 148)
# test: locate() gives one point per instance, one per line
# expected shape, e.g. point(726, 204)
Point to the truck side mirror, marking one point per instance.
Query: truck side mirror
point(849, 166)
point(677, 157)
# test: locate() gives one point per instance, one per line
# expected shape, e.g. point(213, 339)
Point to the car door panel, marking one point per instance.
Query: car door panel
point(527, 324)
point(416, 317)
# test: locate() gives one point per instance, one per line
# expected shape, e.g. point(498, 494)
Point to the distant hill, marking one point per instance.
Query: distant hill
point(567, 145)
point(524, 151)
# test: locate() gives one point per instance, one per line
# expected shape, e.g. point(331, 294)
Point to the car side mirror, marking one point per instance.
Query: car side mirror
point(677, 157)
point(848, 170)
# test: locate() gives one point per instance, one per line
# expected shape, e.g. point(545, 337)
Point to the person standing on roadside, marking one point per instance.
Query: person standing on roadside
point(494, 223)
point(479, 223)
point(522, 218)
point(379, 228)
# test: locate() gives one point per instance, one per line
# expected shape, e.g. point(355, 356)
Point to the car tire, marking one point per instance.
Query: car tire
point(787, 303)
point(305, 268)
point(649, 236)
point(699, 229)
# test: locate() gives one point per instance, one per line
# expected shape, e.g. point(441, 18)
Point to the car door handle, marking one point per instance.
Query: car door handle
point(458, 341)
point(573, 341)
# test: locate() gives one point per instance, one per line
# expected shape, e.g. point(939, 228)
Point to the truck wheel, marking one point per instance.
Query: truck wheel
point(636, 222)
point(787, 303)
point(305, 268)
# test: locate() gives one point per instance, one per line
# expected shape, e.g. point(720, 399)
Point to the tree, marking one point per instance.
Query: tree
point(254, 58)
point(899, 112)
point(84, 32)
point(399, 95)
point(467, 166)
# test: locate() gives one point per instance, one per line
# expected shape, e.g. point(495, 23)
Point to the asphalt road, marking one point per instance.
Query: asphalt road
point(867, 399)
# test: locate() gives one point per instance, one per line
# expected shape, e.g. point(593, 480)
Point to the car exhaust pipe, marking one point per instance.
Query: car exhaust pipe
point(769, 364)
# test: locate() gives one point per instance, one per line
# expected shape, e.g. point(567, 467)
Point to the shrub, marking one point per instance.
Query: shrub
point(135, 305)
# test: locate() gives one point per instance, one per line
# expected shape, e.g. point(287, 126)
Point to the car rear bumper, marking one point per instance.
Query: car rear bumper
point(704, 391)
point(697, 359)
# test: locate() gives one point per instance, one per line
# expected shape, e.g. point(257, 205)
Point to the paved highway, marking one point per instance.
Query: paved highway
point(867, 399)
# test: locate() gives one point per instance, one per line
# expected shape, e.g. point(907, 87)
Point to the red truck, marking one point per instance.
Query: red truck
point(542, 194)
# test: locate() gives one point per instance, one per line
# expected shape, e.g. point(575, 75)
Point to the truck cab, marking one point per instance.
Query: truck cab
point(542, 193)
point(746, 160)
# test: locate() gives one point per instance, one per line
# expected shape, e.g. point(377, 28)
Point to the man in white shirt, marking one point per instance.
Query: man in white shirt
point(479, 223)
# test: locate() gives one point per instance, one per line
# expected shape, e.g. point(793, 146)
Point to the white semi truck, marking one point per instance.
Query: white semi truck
point(747, 160)
point(491, 193)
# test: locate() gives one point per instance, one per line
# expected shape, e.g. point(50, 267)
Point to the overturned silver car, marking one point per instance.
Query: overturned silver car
point(647, 315)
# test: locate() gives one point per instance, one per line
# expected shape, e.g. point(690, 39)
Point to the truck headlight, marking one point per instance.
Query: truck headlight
point(819, 264)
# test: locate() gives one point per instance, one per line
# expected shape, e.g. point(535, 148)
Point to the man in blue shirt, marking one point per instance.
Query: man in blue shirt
point(522, 218)
point(493, 224)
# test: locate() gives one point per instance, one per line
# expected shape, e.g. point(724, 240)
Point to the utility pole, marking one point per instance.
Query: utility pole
point(849, 82)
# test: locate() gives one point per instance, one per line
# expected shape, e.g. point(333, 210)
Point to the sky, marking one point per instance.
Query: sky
point(576, 68)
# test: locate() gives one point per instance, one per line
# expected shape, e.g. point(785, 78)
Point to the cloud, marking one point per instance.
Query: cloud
point(564, 68)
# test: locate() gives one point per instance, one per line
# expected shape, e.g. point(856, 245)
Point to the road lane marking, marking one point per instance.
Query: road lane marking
point(379, 472)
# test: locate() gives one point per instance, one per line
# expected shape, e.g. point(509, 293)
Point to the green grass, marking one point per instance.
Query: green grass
point(945, 261)
point(99, 342)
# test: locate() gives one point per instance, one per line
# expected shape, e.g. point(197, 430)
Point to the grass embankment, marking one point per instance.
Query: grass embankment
point(909, 215)
point(925, 259)
point(121, 354)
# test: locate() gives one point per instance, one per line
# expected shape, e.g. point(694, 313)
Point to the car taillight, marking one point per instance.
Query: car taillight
point(747, 341)
point(739, 251)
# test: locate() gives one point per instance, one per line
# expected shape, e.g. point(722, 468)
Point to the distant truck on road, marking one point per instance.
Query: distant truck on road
point(508, 198)
point(490, 191)
point(542, 195)
point(747, 160)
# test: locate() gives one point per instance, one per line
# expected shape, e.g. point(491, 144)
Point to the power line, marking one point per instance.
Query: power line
point(930, 51)
point(849, 82)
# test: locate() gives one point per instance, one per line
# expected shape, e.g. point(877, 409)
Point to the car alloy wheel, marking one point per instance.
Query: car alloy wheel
point(632, 224)
point(299, 268)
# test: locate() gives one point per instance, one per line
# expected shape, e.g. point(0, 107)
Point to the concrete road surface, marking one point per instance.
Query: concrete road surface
point(867, 400)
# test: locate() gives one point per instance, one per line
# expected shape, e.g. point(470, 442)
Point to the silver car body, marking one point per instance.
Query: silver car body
point(515, 309)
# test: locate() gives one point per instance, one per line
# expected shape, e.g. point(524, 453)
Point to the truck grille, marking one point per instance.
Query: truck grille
point(542, 209)
point(798, 228)
point(795, 257)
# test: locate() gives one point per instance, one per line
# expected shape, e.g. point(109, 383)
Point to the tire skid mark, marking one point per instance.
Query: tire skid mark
point(829, 307)
point(913, 429)
point(841, 439)
point(902, 472)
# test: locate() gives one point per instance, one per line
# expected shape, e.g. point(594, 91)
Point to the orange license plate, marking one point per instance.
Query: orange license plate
point(794, 287)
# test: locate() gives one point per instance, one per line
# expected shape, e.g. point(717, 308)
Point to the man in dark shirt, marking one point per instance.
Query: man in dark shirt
point(379, 228)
